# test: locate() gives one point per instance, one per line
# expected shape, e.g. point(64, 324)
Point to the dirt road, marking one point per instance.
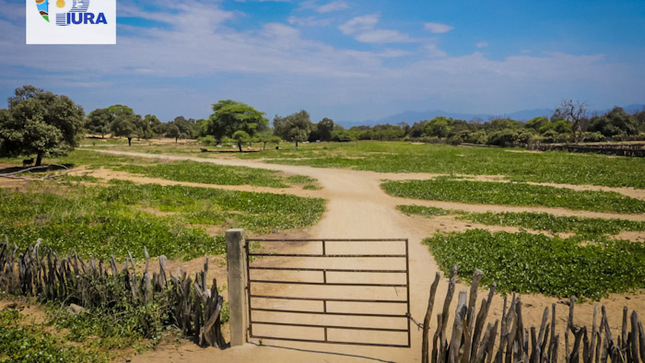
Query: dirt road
point(358, 208)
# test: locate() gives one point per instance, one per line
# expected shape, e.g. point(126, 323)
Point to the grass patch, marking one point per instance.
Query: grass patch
point(535, 221)
point(32, 344)
point(555, 224)
point(517, 194)
point(192, 171)
point(423, 211)
point(528, 263)
point(109, 220)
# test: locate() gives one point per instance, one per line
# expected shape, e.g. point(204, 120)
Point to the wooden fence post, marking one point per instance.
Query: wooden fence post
point(237, 281)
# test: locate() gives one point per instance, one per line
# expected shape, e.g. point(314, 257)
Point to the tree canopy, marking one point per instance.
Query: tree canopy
point(231, 116)
point(295, 127)
point(39, 122)
point(125, 122)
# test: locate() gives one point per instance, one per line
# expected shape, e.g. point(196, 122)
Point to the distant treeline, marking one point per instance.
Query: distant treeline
point(234, 122)
point(615, 125)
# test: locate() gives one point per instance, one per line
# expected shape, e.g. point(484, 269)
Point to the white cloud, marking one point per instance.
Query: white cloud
point(360, 24)
point(438, 28)
point(308, 21)
point(363, 28)
point(382, 36)
point(332, 6)
point(481, 45)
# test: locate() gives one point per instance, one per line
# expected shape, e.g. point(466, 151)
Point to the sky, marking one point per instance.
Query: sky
point(348, 60)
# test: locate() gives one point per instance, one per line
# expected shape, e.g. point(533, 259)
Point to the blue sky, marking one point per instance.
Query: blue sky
point(343, 59)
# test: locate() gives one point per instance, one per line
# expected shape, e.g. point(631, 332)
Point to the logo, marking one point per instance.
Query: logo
point(65, 14)
point(71, 21)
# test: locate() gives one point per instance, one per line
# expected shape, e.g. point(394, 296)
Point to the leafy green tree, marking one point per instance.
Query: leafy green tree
point(295, 127)
point(40, 122)
point(439, 127)
point(615, 123)
point(231, 116)
point(240, 137)
point(187, 127)
point(98, 121)
point(173, 132)
point(324, 128)
point(536, 123)
point(156, 126)
point(125, 122)
point(266, 137)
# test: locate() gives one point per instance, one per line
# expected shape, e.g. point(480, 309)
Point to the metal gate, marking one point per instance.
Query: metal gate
point(335, 291)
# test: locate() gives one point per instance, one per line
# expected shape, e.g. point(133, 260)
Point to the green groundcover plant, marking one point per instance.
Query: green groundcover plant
point(530, 263)
point(517, 194)
point(123, 216)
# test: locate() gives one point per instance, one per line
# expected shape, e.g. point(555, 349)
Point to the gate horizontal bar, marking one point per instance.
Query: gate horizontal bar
point(323, 269)
point(319, 255)
point(328, 240)
point(333, 342)
point(328, 300)
point(329, 326)
point(330, 313)
point(327, 283)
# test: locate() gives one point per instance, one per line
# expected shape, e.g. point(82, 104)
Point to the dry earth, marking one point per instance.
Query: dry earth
point(358, 208)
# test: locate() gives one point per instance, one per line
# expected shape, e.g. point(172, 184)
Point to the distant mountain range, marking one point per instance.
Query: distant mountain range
point(414, 116)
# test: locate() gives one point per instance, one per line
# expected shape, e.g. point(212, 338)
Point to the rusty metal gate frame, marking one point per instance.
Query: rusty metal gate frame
point(250, 296)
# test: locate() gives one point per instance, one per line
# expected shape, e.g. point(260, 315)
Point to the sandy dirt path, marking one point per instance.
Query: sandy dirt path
point(358, 208)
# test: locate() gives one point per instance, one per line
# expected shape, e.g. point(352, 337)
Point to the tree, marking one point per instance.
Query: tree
point(231, 116)
point(173, 131)
point(39, 122)
point(324, 129)
point(614, 123)
point(142, 128)
point(576, 113)
point(156, 126)
point(98, 121)
point(187, 128)
point(125, 122)
point(240, 137)
point(295, 127)
point(267, 136)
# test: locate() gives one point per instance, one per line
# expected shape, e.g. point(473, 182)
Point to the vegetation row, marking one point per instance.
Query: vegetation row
point(516, 194)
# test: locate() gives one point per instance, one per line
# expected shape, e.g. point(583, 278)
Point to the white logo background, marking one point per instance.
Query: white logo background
point(39, 31)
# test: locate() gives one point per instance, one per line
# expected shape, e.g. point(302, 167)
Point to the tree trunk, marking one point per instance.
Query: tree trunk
point(296, 144)
point(239, 146)
point(39, 159)
point(264, 147)
point(129, 141)
point(176, 138)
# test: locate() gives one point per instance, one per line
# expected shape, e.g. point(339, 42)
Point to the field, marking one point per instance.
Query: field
point(548, 225)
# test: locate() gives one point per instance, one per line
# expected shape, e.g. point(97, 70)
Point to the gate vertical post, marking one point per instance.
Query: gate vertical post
point(237, 282)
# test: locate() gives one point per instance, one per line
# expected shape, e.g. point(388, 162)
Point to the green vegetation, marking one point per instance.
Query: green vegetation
point(125, 217)
point(536, 221)
point(39, 123)
point(33, 344)
point(528, 263)
point(465, 191)
point(401, 157)
point(555, 224)
point(423, 211)
point(192, 171)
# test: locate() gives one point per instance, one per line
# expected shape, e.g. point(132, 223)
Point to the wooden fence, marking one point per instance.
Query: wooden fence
point(194, 307)
point(471, 342)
